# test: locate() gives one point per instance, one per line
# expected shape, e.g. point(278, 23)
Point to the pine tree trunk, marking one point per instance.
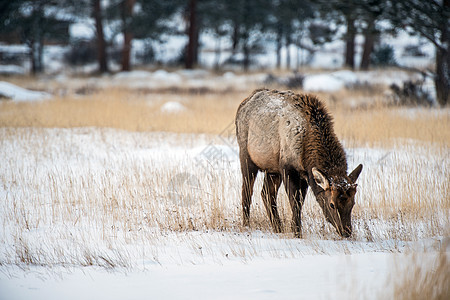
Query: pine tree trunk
point(196, 40)
point(127, 12)
point(36, 53)
point(40, 55)
point(101, 44)
point(235, 37)
point(369, 41)
point(218, 53)
point(288, 53)
point(279, 45)
point(299, 52)
point(193, 35)
point(246, 50)
point(36, 41)
point(34, 64)
point(442, 79)
point(350, 43)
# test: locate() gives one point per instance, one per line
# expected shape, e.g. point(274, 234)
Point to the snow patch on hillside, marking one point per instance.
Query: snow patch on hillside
point(173, 107)
point(16, 93)
point(322, 82)
point(12, 70)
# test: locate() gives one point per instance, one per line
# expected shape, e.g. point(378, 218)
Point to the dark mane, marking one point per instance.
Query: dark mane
point(322, 148)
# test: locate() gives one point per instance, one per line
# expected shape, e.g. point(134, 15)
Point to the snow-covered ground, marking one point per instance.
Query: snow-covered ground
point(314, 81)
point(358, 276)
point(12, 70)
point(100, 213)
point(16, 93)
point(203, 80)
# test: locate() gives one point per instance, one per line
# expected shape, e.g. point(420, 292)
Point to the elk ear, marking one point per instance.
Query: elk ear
point(320, 179)
point(355, 173)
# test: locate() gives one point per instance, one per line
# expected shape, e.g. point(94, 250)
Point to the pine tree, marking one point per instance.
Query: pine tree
point(141, 19)
point(372, 11)
point(102, 58)
point(344, 12)
point(431, 20)
point(193, 33)
point(289, 16)
point(36, 22)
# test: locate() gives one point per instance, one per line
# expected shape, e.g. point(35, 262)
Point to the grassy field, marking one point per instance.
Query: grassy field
point(211, 111)
point(92, 180)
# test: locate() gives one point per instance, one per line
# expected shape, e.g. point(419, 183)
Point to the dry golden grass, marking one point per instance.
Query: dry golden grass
point(419, 280)
point(212, 112)
point(384, 125)
point(126, 110)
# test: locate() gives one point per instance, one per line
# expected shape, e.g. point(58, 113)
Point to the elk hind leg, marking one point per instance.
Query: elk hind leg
point(249, 173)
point(269, 193)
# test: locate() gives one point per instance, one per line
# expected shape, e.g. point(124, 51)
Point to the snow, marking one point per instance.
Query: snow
point(346, 76)
point(334, 81)
point(145, 78)
point(326, 60)
point(136, 74)
point(403, 39)
point(82, 30)
point(195, 73)
point(322, 82)
point(53, 59)
point(173, 107)
point(160, 79)
point(16, 93)
point(12, 70)
point(163, 75)
point(229, 75)
point(16, 49)
point(315, 81)
point(326, 81)
point(309, 277)
point(93, 166)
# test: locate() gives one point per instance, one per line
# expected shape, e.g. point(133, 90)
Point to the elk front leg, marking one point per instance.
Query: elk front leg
point(295, 191)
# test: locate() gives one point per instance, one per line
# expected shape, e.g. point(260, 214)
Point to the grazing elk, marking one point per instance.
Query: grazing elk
point(290, 138)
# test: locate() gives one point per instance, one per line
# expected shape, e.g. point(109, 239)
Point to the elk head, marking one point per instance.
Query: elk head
point(336, 196)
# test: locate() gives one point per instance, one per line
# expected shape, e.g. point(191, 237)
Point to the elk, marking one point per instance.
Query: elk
point(290, 138)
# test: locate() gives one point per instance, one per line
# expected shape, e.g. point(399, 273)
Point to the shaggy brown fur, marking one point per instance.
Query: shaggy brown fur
point(321, 147)
point(290, 137)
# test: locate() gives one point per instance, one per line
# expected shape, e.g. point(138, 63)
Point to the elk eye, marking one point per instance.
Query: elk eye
point(332, 205)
